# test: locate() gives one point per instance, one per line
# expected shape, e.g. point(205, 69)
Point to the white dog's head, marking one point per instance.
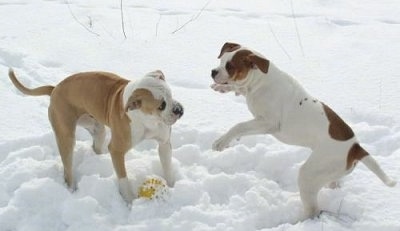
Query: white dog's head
point(152, 96)
point(236, 63)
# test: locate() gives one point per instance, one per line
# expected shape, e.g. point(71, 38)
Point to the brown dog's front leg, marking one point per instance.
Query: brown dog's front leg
point(120, 143)
point(118, 159)
point(165, 154)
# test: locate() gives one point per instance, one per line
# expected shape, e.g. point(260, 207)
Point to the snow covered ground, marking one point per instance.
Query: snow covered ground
point(345, 52)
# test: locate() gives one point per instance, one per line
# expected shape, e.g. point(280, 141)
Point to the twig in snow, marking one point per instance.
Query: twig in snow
point(122, 21)
point(296, 27)
point(90, 22)
point(73, 16)
point(158, 23)
point(380, 93)
point(192, 18)
point(277, 41)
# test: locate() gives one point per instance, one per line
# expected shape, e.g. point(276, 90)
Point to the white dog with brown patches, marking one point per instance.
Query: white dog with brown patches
point(282, 108)
point(133, 110)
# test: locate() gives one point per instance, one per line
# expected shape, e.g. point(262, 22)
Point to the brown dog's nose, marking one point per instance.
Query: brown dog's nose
point(178, 110)
point(214, 73)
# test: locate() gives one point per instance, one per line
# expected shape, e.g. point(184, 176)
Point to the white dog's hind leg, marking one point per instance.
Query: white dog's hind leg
point(313, 175)
point(308, 193)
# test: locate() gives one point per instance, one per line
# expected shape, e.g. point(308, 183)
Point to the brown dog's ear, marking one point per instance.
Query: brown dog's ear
point(135, 100)
point(261, 63)
point(162, 76)
point(133, 104)
point(228, 47)
point(156, 74)
point(159, 75)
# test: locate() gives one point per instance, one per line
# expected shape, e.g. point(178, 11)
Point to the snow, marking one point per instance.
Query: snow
point(346, 53)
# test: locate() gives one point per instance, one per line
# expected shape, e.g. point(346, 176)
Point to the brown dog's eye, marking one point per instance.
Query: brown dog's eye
point(162, 106)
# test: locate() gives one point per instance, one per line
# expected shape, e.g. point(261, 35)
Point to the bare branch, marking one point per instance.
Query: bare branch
point(277, 40)
point(297, 28)
point(83, 25)
point(158, 23)
point(192, 18)
point(122, 21)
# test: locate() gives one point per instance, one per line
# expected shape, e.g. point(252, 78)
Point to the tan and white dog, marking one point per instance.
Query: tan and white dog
point(281, 107)
point(133, 110)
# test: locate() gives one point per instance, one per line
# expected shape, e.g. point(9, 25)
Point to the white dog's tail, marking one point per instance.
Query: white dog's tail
point(44, 90)
point(374, 167)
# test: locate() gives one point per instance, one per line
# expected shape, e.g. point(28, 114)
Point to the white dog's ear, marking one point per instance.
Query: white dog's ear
point(228, 47)
point(260, 62)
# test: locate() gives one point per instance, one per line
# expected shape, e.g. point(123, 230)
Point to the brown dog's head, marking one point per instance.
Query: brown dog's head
point(151, 96)
point(236, 63)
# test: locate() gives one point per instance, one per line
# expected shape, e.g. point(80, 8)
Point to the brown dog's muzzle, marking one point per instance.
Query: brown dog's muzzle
point(177, 109)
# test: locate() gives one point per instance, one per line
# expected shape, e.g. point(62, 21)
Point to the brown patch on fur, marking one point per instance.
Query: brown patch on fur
point(338, 129)
point(356, 153)
point(228, 47)
point(242, 62)
point(144, 100)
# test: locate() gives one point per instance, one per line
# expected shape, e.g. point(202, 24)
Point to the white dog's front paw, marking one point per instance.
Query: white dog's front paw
point(222, 88)
point(220, 144)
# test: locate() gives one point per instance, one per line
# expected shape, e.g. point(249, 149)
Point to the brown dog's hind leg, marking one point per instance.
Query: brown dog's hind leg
point(64, 123)
point(96, 129)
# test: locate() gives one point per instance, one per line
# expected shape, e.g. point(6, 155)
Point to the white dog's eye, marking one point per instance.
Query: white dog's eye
point(162, 106)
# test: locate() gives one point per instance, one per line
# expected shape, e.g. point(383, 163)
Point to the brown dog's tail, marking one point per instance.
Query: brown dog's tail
point(44, 90)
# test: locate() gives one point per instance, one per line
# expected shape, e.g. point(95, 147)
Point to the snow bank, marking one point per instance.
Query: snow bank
point(344, 52)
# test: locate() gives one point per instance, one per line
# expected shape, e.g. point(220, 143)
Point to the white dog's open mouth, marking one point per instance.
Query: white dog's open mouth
point(221, 83)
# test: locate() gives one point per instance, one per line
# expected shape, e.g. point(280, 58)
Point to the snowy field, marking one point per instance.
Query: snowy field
point(346, 53)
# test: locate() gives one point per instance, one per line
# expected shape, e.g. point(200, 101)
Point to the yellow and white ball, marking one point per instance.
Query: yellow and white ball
point(153, 187)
